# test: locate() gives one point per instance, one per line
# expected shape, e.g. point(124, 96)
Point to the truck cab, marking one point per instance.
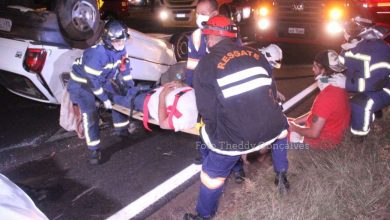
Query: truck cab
point(182, 13)
point(312, 21)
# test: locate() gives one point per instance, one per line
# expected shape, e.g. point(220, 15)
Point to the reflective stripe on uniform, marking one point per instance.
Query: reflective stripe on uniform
point(246, 86)
point(243, 74)
point(112, 65)
point(127, 78)
point(87, 138)
point(89, 70)
point(366, 62)
point(360, 133)
point(367, 115)
point(192, 63)
point(207, 141)
point(121, 124)
point(77, 79)
point(361, 85)
point(384, 65)
point(196, 38)
point(99, 91)
point(387, 91)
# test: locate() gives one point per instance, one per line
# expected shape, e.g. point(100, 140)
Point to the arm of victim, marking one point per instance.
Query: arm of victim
point(313, 131)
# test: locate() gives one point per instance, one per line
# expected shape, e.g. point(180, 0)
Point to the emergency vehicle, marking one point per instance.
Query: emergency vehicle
point(181, 13)
point(117, 9)
point(313, 21)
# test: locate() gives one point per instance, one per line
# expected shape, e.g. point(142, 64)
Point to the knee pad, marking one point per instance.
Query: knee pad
point(211, 183)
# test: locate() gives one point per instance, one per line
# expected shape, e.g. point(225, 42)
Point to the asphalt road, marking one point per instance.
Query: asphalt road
point(51, 166)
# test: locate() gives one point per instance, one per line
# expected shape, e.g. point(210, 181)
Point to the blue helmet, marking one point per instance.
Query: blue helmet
point(114, 30)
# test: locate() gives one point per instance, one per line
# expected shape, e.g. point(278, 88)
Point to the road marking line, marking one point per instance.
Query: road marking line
point(298, 97)
point(155, 194)
point(28, 142)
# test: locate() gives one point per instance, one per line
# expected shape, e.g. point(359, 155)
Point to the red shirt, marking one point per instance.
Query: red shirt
point(332, 105)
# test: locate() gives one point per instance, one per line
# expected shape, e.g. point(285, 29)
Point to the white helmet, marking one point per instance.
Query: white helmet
point(273, 54)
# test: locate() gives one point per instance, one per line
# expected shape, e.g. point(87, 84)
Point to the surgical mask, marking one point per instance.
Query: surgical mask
point(119, 45)
point(119, 48)
point(200, 19)
point(322, 81)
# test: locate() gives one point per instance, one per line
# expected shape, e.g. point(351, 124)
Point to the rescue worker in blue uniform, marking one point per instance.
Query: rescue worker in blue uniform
point(197, 49)
point(367, 58)
point(233, 89)
point(91, 77)
point(205, 9)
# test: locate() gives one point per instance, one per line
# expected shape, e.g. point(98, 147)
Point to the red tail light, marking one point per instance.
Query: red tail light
point(34, 60)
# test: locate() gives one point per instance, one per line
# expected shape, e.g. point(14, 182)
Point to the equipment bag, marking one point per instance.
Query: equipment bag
point(70, 116)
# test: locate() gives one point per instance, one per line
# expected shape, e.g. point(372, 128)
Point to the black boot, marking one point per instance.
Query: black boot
point(189, 216)
point(282, 183)
point(123, 133)
point(95, 157)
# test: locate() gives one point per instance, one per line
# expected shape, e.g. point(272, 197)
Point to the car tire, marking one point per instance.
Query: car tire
point(180, 45)
point(78, 19)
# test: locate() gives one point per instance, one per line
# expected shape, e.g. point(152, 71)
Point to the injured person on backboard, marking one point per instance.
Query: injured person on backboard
point(171, 106)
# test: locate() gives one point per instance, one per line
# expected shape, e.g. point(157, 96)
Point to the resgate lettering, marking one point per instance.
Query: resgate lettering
point(234, 54)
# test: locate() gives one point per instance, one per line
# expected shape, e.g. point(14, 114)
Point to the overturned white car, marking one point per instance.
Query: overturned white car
point(36, 58)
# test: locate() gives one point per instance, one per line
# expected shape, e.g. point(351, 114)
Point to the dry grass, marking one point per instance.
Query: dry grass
point(350, 182)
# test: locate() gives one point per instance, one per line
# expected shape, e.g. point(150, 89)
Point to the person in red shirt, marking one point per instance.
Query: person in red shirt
point(324, 125)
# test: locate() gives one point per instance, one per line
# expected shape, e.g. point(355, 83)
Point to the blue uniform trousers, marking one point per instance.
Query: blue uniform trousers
point(217, 165)
point(363, 106)
point(86, 100)
point(121, 120)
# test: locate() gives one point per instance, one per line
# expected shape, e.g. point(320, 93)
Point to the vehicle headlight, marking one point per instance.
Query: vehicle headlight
point(335, 13)
point(263, 23)
point(163, 15)
point(246, 12)
point(334, 27)
point(263, 11)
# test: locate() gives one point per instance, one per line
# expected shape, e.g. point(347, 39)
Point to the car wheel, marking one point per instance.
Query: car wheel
point(180, 45)
point(78, 19)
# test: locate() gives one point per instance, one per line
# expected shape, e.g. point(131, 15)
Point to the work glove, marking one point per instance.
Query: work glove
point(338, 80)
point(107, 104)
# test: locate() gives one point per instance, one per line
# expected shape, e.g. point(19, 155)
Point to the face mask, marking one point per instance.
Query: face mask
point(200, 19)
point(119, 48)
point(322, 81)
point(120, 45)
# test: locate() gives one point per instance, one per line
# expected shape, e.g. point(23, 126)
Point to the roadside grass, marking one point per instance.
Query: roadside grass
point(350, 182)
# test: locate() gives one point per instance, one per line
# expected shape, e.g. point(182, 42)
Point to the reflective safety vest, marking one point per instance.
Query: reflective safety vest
point(368, 66)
